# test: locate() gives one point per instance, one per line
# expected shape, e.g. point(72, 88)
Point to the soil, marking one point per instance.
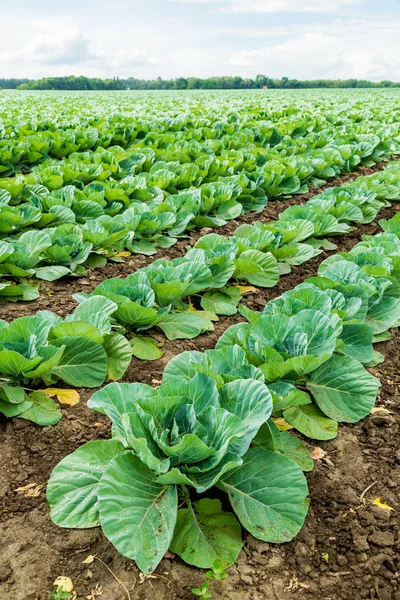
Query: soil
point(349, 548)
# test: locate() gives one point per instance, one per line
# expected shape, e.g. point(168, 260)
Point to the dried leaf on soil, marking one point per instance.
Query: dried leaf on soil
point(97, 591)
point(32, 490)
point(65, 583)
point(318, 453)
point(380, 409)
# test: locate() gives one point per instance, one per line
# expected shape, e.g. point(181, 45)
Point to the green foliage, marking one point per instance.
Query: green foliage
point(58, 594)
point(101, 185)
point(202, 591)
point(222, 83)
point(96, 186)
point(43, 349)
point(211, 422)
point(310, 343)
point(189, 433)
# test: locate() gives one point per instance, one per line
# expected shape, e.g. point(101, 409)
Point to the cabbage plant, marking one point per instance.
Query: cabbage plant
point(309, 346)
point(81, 351)
point(170, 446)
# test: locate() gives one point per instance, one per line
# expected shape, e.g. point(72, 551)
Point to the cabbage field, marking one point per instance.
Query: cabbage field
point(200, 302)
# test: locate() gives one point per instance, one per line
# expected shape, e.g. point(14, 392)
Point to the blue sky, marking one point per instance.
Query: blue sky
point(172, 38)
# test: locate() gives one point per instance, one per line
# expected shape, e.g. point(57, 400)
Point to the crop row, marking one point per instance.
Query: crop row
point(66, 127)
point(89, 346)
point(59, 245)
point(213, 420)
point(256, 254)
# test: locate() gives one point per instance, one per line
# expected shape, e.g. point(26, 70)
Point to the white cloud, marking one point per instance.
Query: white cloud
point(174, 46)
point(341, 49)
point(59, 46)
point(59, 41)
point(275, 6)
point(125, 57)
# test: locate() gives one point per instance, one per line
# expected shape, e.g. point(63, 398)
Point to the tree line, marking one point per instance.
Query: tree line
point(182, 83)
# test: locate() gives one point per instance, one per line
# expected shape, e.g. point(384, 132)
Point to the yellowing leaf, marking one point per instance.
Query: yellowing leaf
point(65, 583)
point(383, 505)
point(122, 254)
point(206, 314)
point(69, 397)
point(281, 424)
point(88, 560)
point(246, 289)
point(318, 453)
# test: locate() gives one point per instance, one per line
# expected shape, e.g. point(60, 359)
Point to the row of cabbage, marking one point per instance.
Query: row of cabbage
point(169, 164)
point(72, 234)
point(255, 254)
point(90, 346)
point(213, 420)
point(64, 127)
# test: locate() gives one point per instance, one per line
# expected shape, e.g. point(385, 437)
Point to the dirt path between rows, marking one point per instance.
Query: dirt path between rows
point(348, 548)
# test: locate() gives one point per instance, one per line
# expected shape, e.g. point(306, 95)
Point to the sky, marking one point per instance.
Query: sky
point(303, 39)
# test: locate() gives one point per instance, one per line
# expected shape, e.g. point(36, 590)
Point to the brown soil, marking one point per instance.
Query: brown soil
point(57, 295)
point(348, 549)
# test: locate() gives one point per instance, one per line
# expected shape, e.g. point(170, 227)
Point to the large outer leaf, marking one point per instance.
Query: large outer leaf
point(83, 363)
point(145, 348)
point(133, 314)
point(96, 310)
point(182, 326)
point(73, 485)
point(357, 338)
point(73, 329)
point(51, 273)
point(11, 393)
point(384, 315)
point(205, 533)
point(118, 398)
point(343, 389)
point(44, 411)
point(312, 422)
point(269, 495)
point(13, 410)
point(119, 355)
point(219, 303)
point(137, 514)
point(258, 268)
point(270, 438)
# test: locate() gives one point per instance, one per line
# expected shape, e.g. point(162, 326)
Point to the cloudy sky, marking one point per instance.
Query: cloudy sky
point(172, 38)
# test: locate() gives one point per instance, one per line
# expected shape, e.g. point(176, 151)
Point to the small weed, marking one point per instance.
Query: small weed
point(59, 594)
point(217, 573)
point(202, 591)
